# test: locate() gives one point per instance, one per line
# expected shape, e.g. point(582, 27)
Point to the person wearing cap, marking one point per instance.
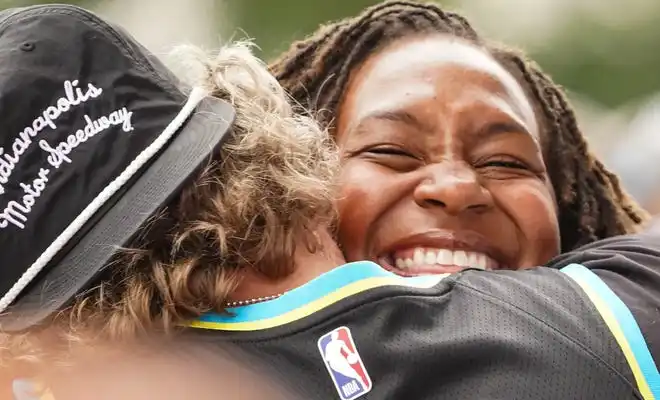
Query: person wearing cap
point(109, 144)
point(113, 152)
point(231, 213)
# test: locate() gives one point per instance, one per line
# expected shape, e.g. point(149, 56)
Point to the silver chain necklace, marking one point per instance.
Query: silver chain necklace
point(239, 303)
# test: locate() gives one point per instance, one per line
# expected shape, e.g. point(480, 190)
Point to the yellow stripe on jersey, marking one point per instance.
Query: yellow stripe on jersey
point(316, 295)
point(623, 327)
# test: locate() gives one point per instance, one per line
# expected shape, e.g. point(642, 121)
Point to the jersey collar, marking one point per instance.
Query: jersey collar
point(329, 288)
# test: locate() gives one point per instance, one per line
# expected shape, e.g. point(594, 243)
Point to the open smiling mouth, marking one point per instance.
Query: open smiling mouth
point(432, 261)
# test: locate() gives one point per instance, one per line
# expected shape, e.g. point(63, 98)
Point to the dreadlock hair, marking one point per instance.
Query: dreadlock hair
point(316, 71)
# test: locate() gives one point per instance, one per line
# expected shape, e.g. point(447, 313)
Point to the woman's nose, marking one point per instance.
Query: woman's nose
point(454, 187)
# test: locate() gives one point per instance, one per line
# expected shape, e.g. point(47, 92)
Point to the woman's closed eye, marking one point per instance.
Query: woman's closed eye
point(390, 150)
point(508, 168)
point(504, 164)
point(392, 157)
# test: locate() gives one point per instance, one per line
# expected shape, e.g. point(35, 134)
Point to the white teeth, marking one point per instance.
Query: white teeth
point(430, 258)
point(473, 259)
point(445, 257)
point(422, 257)
point(418, 257)
point(460, 258)
point(480, 261)
point(490, 263)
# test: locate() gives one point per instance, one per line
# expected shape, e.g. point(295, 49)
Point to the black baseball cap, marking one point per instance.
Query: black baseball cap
point(96, 135)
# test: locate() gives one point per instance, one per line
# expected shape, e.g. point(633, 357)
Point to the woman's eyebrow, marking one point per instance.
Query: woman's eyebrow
point(400, 116)
point(500, 128)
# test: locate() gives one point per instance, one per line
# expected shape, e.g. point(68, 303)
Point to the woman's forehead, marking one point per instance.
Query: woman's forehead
point(409, 60)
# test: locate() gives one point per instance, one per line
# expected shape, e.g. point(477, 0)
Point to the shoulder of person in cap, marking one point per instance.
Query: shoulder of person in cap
point(160, 373)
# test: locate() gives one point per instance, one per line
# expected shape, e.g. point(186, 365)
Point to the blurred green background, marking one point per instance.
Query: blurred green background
point(605, 52)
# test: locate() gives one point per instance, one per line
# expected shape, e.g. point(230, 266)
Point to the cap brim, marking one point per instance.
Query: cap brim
point(191, 148)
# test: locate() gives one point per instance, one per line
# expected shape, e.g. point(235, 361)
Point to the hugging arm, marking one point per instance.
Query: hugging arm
point(621, 276)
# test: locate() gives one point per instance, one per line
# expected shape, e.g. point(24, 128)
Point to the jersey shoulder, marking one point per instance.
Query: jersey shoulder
point(537, 326)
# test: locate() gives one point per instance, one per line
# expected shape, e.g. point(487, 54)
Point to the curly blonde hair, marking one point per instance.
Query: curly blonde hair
point(270, 188)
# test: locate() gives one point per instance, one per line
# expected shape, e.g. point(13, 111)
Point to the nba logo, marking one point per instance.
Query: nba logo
point(344, 364)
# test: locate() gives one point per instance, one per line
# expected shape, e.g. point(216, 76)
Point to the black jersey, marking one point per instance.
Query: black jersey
point(586, 326)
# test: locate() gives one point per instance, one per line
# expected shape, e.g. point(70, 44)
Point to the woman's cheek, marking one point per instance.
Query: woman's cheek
point(359, 203)
point(531, 206)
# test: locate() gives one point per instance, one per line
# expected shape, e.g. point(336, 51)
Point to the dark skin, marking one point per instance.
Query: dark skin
point(316, 71)
point(443, 166)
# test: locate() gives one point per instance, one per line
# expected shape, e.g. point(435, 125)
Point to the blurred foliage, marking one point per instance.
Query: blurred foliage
point(275, 24)
point(22, 3)
point(610, 65)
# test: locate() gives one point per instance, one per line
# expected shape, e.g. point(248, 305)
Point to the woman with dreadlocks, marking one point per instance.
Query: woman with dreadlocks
point(460, 154)
point(450, 143)
point(242, 254)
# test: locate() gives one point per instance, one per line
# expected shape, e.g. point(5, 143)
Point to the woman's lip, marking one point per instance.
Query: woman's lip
point(435, 270)
point(444, 239)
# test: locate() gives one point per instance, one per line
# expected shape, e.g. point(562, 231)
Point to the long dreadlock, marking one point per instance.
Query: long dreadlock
point(592, 204)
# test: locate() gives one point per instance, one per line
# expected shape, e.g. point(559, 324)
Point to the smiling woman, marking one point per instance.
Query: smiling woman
point(456, 152)
point(443, 147)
